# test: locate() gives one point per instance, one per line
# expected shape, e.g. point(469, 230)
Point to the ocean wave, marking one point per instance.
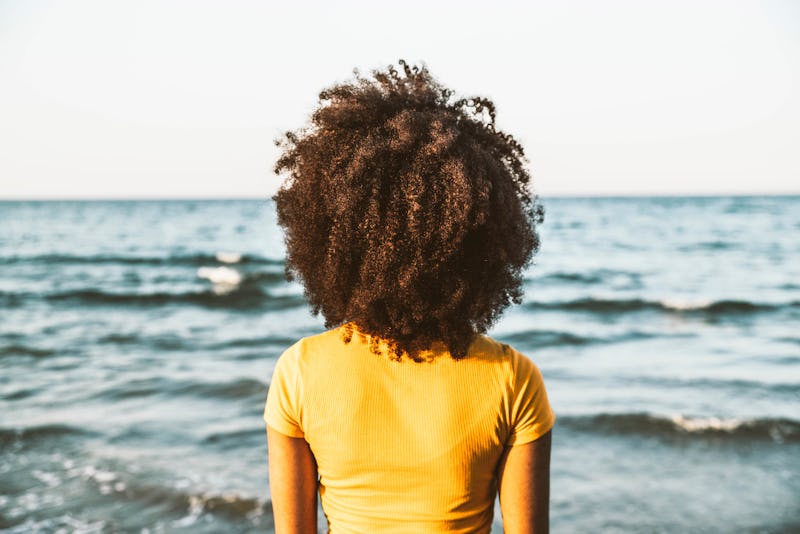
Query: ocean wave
point(18, 394)
point(189, 343)
point(782, 359)
point(544, 338)
point(244, 296)
point(710, 245)
point(701, 383)
point(62, 523)
point(120, 339)
point(581, 278)
point(237, 438)
point(254, 342)
point(242, 388)
point(25, 350)
point(175, 259)
point(234, 389)
point(228, 257)
point(157, 342)
point(174, 497)
point(224, 279)
point(194, 505)
point(34, 434)
point(547, 338)
point(779, 430)
point(220, 275)
point(671, 305)
point(228, 288)
point(171, 504)
point(11, 300)
point(597, 276)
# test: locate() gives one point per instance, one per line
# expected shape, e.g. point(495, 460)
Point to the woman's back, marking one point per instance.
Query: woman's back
point(407, 213)
point(405, 446)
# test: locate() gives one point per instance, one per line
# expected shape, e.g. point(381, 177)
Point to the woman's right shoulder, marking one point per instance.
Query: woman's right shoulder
point(516, 360)
point(487, 346)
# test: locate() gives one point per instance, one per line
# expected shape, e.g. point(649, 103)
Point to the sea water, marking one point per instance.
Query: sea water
point(137, 339)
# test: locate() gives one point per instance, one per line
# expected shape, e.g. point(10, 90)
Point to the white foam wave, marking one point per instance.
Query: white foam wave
point(685, 304)
point(229, 257)
point(224, 279)
point(698, 424)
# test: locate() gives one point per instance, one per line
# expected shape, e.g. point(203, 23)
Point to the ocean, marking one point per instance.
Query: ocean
point(137, 339)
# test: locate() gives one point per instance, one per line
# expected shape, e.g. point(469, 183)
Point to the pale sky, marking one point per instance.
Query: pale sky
point(164, 99)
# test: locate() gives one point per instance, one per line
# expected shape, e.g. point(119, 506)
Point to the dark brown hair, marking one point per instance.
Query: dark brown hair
point(406, 213)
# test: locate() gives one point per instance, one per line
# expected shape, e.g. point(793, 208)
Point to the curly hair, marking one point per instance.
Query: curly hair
point(407, 215)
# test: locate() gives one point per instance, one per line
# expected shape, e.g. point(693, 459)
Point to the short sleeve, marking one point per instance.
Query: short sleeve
point(531, 414)
point(283, 409)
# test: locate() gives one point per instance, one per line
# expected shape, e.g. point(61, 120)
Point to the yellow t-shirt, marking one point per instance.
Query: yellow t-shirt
point(403, 446)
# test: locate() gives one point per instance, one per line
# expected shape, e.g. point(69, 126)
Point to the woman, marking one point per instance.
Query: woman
point(408, 220)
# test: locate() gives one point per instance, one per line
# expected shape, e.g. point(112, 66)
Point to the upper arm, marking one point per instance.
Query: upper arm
point(524, 486)
point(531, 415)
point(293, 484)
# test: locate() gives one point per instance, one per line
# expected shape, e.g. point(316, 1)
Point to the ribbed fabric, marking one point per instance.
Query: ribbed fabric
point(404, 446)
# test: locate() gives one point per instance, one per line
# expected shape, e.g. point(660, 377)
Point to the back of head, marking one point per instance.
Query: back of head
point(406, 213)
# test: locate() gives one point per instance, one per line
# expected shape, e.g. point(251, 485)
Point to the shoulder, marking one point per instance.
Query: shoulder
point(517, 366)
point(488, 346)
point(306, 349)
point(301, 360)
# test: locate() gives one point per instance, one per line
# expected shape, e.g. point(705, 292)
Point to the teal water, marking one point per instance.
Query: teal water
point(137, 339)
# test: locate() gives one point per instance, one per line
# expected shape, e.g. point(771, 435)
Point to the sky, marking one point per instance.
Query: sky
point(168, 99)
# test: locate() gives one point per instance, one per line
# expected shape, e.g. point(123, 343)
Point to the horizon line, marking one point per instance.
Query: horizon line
point(268, 198)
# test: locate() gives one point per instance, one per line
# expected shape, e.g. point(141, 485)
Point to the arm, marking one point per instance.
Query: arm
point(524, 483)
point(293, 484)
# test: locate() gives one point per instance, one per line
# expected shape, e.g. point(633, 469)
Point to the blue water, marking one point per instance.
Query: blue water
point(137, 340)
